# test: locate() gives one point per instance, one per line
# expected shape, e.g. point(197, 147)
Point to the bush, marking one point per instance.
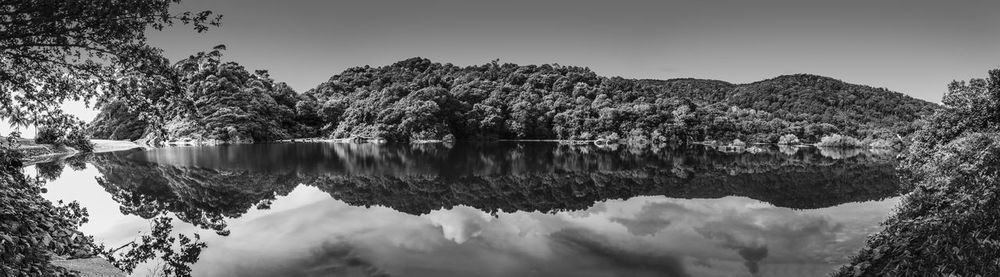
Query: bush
point(10, 160)
point(78, 139)
point(881, 144)
point(788, 139)
point(837, 140)
point(738, 143)
point(49, 135)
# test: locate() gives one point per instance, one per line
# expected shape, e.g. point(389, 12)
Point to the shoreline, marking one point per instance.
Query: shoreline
point(41, 153)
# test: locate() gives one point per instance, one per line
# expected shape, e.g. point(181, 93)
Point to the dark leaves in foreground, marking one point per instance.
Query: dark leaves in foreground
point(33, 229)
point(53, 51)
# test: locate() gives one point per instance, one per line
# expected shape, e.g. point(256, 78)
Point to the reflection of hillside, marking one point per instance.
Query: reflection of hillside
point(476, 159)
point(508, 177)
point(795, 187)
point(203, 197)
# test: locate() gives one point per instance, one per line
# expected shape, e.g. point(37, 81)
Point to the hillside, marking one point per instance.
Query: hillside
point(417, 99)
point(564, 102)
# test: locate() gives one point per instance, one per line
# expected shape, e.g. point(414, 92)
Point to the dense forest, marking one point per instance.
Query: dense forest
point(417, 99)
point(216, 100)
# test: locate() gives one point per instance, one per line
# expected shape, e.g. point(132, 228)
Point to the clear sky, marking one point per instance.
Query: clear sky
point(911, 46)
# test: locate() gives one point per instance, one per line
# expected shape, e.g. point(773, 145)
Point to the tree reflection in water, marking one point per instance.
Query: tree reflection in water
point(174, 255)
point(204, 186)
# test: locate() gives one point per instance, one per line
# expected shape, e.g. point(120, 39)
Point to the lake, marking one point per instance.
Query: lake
point(479, 209)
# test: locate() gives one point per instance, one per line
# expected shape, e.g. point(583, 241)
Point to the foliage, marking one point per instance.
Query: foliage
point(32, 229)
point(788, 139)
point(73, 135)
point(49, 135)
point(972, 106)
point(55, 50)
point(78, 139)
point(116, 122)
point(839, 141)
point(949, 224)
point(219, 101)
point(880, 143)
point(52, 51)
point(416, 98)
point(738, 143)
point(12, 141)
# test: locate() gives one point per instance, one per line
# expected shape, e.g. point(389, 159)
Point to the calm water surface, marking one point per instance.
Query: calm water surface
point(499, 209)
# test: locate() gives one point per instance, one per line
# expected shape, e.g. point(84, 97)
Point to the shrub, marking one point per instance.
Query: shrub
point(10, 160)
point(49, 135)
point(79, 139)
point(836, 140)
point(76, 137)
point(738, 143)
point(881, 143)
point(789, 139)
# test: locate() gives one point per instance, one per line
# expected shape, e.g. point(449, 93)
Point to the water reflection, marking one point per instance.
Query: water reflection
point(530, 209)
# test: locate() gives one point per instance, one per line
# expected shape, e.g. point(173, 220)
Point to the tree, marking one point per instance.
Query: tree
point(57, 50)
point(972, 106)
point(788, 139)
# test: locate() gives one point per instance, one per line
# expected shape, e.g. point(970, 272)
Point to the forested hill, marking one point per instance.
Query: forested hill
point(830, 100)
point(417, 99)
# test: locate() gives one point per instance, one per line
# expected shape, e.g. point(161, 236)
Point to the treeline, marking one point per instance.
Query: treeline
point(417, 99)
point(205, 98)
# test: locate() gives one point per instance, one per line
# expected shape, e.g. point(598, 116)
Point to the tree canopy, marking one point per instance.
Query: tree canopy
point(57, 50)
point(416, 99)
point(217, 100)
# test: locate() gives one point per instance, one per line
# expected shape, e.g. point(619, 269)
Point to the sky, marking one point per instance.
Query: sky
point(911, 46)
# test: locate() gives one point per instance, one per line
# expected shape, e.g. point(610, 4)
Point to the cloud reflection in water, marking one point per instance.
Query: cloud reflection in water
point(703, 238)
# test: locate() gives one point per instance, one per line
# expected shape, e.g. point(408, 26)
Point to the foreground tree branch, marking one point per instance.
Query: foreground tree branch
point(54, 50)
